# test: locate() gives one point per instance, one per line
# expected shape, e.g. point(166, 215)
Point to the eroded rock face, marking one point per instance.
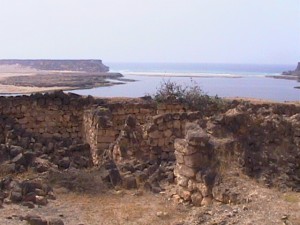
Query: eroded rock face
point(296, 72)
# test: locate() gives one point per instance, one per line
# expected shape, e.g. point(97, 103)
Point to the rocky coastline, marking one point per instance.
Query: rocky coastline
point(30, 76)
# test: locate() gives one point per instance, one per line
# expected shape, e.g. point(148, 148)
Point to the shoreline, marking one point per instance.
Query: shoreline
point(26, 82)
point(17, 80)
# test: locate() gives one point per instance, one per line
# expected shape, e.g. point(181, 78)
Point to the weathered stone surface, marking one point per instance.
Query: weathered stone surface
point(35, 220)
point(16, 196)
point(19, 159)
point(55, 221)
point(185, 171)
point(15, 150)
point(64, 163)
point(129, 182)
point(195, 160)
point(196, 199)
point(183, 193)
point(206, 201)
point(182, 181)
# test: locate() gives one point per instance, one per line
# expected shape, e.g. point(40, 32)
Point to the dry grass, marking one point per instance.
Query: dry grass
point(292, 197)
point(116, 208)
point(87, 181)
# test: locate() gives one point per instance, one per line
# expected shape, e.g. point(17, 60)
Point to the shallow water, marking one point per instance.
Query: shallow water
point(247, 86)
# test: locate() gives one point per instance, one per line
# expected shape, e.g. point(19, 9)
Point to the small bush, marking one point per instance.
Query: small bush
point(192, 95)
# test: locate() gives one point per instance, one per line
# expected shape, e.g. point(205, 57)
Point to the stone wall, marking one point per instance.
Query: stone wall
point(103, 124)
point(261, 141)
point(56, 115)
point(196, 162)
point(163, 130)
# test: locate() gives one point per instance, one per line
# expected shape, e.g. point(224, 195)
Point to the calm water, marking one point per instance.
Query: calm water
point(251, 82)
point(246, 69)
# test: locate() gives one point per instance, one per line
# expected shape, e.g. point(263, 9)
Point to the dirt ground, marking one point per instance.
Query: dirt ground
point(99, 205)
point(112, 208)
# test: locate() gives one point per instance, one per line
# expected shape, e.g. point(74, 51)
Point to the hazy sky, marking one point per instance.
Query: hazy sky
point(214, 31)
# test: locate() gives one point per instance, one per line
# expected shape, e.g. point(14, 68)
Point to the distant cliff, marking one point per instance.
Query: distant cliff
point(296, 72)
point(68, 65)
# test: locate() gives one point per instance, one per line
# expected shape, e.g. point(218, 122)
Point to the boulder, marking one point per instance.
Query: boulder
point(15, 196)
point(55, 221)
point(129, 182)
point(35, 220)
point(196, 199)
point(19, 159)
point(64, 163)
point(15, 150)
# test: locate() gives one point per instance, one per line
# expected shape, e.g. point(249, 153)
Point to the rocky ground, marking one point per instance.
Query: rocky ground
point(88, 200)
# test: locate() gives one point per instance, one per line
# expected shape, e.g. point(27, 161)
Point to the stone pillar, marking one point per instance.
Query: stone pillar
point(195, 163)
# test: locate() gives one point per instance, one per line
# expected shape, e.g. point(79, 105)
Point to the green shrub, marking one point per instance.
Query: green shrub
point(191, 95)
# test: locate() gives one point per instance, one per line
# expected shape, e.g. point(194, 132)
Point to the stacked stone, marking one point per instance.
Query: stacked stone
point(295, 120)
point(110, 120)
point(194, 166)
point(171, 108)
point(90, 128)
point(162, 132)
point(140, 111)
point(130, 143)
point(48, 115)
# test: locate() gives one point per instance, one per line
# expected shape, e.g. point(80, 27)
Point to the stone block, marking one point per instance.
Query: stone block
point(179, 157)
point(129, 182)
point(185, 170)
point(168, 133)
point(183, 193)
point(182, 181)
point(106, 139)
point(205, 190)
point(194, 160)
point(177, 124)
point(182, 146)
point(158, 119)
point(161, 142)
point(155, 134)
point(145, 111)
point(197, 199)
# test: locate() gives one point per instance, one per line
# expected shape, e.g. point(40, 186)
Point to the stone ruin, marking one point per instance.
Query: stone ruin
point(144, 144)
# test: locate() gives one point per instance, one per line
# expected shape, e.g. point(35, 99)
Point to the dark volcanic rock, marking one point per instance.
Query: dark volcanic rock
point(296, 72)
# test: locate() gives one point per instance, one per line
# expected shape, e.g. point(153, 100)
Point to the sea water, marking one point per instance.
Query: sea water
point(224, 80)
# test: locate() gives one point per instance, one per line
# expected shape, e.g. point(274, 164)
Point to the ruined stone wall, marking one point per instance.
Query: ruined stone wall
point(103, 124)
point(261, 141)
point(56, 115)
point(162, 131)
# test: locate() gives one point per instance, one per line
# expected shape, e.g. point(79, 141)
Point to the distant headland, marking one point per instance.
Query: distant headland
point(61, 65)
point(18, 76)
point(290, 75)
point(295, 72)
